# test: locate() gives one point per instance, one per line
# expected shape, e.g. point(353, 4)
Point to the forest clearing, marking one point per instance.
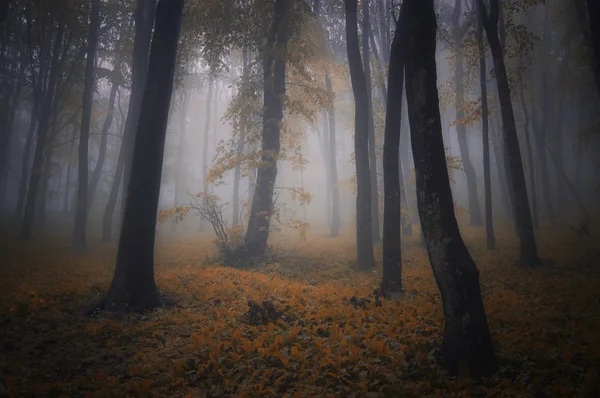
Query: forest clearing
point(543, 322)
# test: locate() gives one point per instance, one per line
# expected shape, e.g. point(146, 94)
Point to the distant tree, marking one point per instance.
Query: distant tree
point(133, 287)
point(518, 187)
point(364, 236)
point(79, 230)
point(467, 347)
point(392, 177)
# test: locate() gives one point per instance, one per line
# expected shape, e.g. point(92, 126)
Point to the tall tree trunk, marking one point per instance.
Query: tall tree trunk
point(333, 181)
point(366, 28)
point(518, 188)
point(25, 163)
point(530, 163)
point(133, 287)
point(239, 150)
point(467, 348)
point(46, 105)
point(364, 235)
point(116, 80)
point(324, 138)
point(144, 21)
point(487, 179)
point(183, 106)
point(79, 243)
point(274, 66)
point(461, 131)
point(207, 120)
point(391, 285)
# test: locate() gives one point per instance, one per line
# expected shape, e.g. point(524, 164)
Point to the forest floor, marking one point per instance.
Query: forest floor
point(544, 323)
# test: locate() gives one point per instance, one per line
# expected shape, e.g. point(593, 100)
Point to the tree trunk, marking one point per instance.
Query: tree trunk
point(467, 348)
point(207, 116)
point(333, 182)
point(489, 218)
point(183, 106)
point(366, 28)
point(391, 285)
point(593, 7)
point(79, 243)
point(112, 196)
point(116, 77)
point(144, 20)
point(133, 287)
point(274, 67)
point(461, 131)
point(44, 125)
point(530, 163)
point(518, 188)
point(25, 163)
point(364, 235)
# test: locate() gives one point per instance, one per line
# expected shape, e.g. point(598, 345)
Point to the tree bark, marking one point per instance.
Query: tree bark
point(133, 287)
point(487, 179)
point(391, 285)
point(364, 235)
point(207, 116)
point(25, 163)
point(518, 188)
point(467, 348)
point(79, 242)
point(274, 67)
point(366, 28)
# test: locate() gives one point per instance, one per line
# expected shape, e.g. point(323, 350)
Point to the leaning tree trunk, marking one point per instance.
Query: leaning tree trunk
point(364, 236)
point(391, 285)
point(133, 287)
point(366, 28)
point(79, 230)
point(467, 348)
point(461, 131)
point(274, 66)
point(518, 188)
point(485, 126)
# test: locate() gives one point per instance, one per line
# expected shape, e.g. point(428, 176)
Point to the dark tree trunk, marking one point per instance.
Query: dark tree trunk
point(79, 243)
point(366, 28)
point(487, 179)
point(593, 7)
point(530, 163)
point(518, 188)
point(144, 21)
point(364, 235)
point(43, 127)
point(461, 131)
point(467, 348)
point(274, 67)
point(333, 181)
point(133, 287)
point(25, 163)
point(391, 285)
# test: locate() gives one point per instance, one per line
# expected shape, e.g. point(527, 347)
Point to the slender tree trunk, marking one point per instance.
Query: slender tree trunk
point(364, 235)
point(489, 218)
point(183, 106)
point(333, 172)
point(25, 163)
point(107, 219)
point(461, 131)
point(46, 105)
point(207, 120)
point(530, 164)
point(467, 348)
point(391, 285)
point(116, 77)
point(133, 287)
point(366, 28)
point(529, 256)
point(274, 67)
point(324, 138)
point(79, 241)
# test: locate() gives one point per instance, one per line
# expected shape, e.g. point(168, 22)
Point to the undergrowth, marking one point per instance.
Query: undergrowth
point(306, 326)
